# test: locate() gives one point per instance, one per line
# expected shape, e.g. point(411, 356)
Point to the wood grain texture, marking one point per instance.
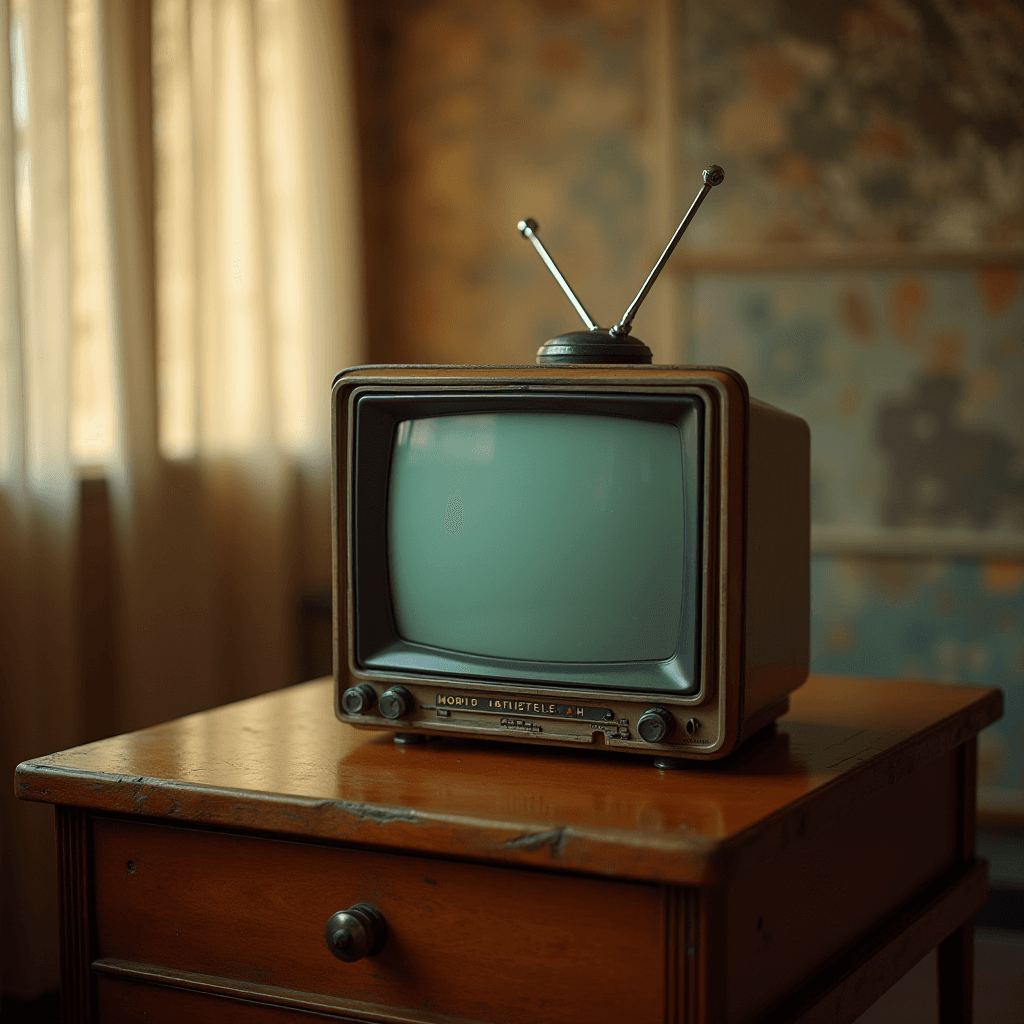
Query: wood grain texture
point(956, 974)
point(73, 911)
point(464, 940)
point(843, 991)
point(129, 991)
point(791, 915)
point(956, 951)
point(122, 1000)
point(280, 763)
point(967, 799)
point(201, 859)
point(706, 984)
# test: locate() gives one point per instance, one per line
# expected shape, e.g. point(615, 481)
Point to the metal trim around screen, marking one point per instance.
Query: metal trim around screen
point(380, 648)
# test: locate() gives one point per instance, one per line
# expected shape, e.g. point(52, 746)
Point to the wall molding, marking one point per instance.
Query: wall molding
point(999, 807)
point(916, 542)
point(794, 259)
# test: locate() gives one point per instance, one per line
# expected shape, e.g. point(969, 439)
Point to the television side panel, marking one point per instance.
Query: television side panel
point(778, 558)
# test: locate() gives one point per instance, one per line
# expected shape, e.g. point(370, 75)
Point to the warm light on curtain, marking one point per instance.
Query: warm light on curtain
point(179, 283)
point(93, 433)
point(17, 225)
point(174, 58)
point(225, 97)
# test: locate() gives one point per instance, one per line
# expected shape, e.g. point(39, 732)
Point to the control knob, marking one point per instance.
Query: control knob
point(655, 724)
point(396, 702)
point(358, 699)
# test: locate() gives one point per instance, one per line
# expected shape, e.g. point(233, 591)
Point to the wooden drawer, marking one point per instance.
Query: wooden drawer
point(123, 1001)
point(470, 941)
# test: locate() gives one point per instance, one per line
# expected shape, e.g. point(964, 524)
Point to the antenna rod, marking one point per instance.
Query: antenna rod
point(713, 176)
point(528, 229)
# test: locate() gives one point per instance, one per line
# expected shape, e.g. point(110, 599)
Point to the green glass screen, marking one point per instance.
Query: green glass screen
point(538, 536)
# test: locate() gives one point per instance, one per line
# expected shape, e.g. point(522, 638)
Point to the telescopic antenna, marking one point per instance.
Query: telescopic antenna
point(602, 344)
point(714, 175)
point(528, 229)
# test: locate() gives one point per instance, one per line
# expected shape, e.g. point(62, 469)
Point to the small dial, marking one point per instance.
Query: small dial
point(359, 699)
point(655, 724)
point(396, 702)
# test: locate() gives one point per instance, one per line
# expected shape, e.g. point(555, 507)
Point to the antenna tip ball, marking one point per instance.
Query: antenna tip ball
point(527, 225)
point(714, 175)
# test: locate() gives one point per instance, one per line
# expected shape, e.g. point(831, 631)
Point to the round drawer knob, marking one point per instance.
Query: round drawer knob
point(357, 932)
point(396, 702)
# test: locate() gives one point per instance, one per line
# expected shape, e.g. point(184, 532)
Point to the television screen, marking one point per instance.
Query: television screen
point(538, 536)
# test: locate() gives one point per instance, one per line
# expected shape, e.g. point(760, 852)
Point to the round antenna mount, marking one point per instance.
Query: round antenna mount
point(598, 346)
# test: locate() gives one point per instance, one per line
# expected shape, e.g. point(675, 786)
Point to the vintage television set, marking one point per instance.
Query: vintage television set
point(590, 551)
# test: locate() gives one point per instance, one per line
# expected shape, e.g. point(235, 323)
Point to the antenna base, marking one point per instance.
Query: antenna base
point(599, 346)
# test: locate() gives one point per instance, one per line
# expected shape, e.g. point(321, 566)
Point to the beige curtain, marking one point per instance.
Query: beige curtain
point(179, 282)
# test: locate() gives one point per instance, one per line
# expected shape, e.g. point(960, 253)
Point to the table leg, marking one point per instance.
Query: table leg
point(956, 975)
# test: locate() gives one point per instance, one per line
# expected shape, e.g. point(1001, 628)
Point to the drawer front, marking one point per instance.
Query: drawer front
point(119, 1001)
point(470, 941)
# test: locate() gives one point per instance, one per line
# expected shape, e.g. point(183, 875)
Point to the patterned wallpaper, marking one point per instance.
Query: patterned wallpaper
point(912, 383)
point(892, 127)
point(854, 122)
point(497, 112)
point(956, 620)
point(913, 386)
point(883, 126)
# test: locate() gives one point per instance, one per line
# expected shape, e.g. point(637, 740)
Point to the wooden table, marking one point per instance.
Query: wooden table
point(201, 859)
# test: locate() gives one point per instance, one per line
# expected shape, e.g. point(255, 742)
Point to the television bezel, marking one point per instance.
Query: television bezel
point(379, 645)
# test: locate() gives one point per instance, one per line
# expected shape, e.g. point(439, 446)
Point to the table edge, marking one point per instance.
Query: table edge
point(668, 859)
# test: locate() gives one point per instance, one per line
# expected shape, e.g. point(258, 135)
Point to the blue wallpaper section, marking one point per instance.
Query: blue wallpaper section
point(955, 620)
point(912, 384)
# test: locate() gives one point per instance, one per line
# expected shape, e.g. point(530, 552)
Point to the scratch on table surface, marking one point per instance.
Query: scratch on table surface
point(555, 838)
point(381, 815)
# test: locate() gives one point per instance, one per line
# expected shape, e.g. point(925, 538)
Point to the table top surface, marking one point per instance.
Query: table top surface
point(281, 763)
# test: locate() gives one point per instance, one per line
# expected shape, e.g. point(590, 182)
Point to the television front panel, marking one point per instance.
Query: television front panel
point(560, 554)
